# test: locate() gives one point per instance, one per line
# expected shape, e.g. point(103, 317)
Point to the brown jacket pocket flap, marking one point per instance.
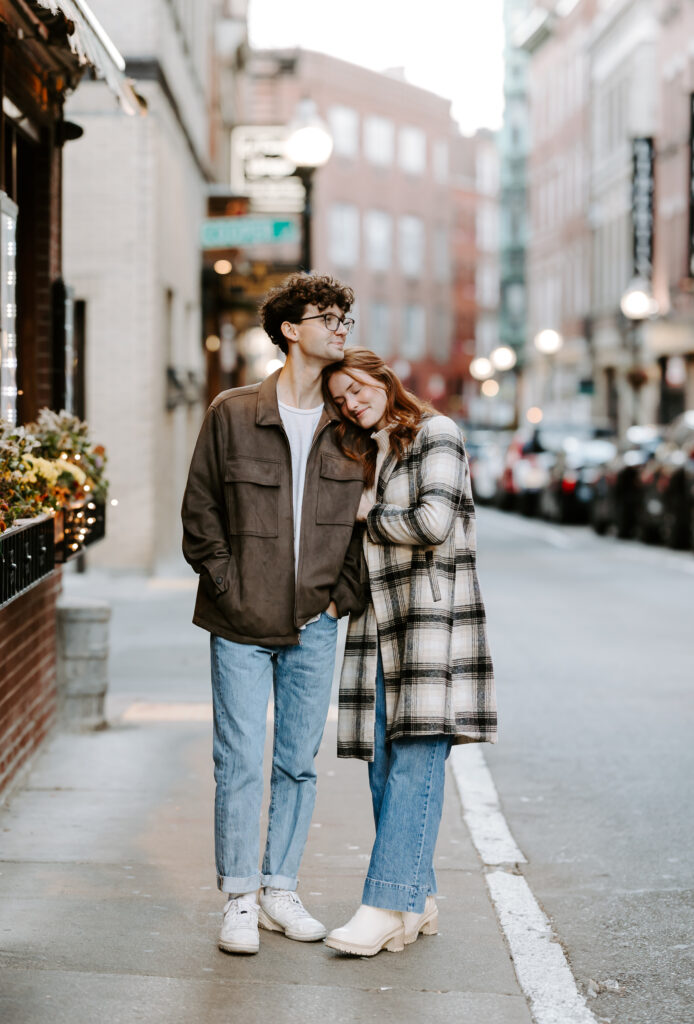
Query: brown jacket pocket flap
point(340, 469)
point(252, 471)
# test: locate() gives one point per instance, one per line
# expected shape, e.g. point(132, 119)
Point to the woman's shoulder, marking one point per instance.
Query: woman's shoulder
point(440, 426)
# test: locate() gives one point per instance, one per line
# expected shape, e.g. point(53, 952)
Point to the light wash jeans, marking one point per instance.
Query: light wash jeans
point(407, 780)
point(242, 677)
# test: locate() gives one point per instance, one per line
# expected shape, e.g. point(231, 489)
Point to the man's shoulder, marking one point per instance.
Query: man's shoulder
point(227, 398)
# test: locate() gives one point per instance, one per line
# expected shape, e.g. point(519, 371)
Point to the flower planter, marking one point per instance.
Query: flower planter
point(26, 556)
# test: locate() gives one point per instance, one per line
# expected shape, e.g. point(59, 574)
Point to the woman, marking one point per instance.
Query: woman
point(417, 675)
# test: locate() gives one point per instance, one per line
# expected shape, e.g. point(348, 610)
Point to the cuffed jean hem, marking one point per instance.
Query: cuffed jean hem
point(279, 882)
point(228, 883)
point(393, 896)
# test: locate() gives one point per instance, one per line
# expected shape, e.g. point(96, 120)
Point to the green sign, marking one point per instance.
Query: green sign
point(237, 232)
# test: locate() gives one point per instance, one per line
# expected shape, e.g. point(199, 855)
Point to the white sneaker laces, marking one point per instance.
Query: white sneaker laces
point(290, 901)
point(239, 906)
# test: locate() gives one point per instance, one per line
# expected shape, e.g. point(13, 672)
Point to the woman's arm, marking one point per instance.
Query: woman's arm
point(440, 480)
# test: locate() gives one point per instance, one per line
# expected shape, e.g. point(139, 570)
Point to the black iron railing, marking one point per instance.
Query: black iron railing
point(77, 527)
point(27, 555)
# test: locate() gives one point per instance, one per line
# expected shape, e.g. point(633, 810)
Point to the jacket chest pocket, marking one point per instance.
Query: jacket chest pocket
point(252, 495)
point(339, 489)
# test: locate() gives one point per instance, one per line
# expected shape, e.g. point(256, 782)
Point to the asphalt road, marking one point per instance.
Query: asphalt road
point(593, 644)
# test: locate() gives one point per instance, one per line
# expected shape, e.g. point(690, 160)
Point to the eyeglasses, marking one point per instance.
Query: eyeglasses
point(332, 321)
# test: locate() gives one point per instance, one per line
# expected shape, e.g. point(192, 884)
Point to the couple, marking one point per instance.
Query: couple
point(329, 490)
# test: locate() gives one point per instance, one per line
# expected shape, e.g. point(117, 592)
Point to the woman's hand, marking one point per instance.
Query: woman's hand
point(366, 503)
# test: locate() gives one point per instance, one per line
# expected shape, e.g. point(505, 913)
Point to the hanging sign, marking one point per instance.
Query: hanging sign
point(642, 193)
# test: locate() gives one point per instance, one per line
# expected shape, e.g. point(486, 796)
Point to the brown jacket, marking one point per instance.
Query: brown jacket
point(238, 529)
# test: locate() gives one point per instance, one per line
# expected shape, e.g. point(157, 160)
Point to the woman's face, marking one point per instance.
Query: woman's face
point(360, 398)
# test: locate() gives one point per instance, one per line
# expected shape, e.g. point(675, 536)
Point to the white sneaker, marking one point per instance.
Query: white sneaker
point(426, 923)
point(368, 932)
point(239, 932)
point(283, 911)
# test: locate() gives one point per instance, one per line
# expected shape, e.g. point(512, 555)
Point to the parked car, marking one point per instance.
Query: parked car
point(529, 461)
point(485, 450)
point(525, 471)
point(616, 488)
point(567, 496)
point(666, 488)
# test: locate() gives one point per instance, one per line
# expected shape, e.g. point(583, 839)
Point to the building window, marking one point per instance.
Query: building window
point(343, 234)
point(8, 309)
point(379, 140)
point(379, 328)
point(487, 286)
point(411, 245)
point(344, 125)
point(413, 332)
point(378, 231)
point(441, 342)
point(412, 150)
point(442, 256)
point(440, 162)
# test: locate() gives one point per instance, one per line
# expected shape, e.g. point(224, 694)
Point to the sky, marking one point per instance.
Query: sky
point(457, 52)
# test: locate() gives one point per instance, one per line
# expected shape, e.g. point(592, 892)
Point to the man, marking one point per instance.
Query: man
point(268, 522)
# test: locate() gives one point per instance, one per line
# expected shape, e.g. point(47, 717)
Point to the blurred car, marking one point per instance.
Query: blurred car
point(666, 488)
point(529, 460)
point(485, 450)
point(616, 488)
point(568, 494)
point(525, 471)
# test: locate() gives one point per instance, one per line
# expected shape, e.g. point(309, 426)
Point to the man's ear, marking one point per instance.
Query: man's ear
point(289, 331)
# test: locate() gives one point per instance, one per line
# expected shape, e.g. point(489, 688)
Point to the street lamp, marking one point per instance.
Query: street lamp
point(548, 342)
point(481, 368)
point(308, 146)
point(637, 304)
point(503, 358)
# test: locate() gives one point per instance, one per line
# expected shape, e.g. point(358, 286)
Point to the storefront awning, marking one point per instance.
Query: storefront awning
point(93, 47)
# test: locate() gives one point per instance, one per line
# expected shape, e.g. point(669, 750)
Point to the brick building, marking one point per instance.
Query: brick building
point(382, 204)
point(43, 54)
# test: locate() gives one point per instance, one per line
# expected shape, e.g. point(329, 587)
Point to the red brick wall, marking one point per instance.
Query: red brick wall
point(28, 693)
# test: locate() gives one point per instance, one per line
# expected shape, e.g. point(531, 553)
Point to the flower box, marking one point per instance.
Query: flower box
point(26, 556)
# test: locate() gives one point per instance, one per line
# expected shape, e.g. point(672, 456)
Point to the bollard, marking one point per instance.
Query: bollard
point(82, 662)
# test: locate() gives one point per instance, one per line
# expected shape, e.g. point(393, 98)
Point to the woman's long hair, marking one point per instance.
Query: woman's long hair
point(403, 409)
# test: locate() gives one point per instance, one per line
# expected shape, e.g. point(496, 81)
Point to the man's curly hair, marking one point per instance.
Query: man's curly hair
point(289, 301)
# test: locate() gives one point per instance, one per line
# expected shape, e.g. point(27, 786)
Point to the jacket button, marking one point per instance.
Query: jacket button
point(219, 579)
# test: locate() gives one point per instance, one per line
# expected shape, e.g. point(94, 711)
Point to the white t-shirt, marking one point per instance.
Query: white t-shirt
point(300, 426)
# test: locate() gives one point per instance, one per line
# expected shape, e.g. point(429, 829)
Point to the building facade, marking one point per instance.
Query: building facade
point(382, 204)
point(624, 108)
point(671, 334)
point(135, 198)
point(44, 51)
point(556, 37)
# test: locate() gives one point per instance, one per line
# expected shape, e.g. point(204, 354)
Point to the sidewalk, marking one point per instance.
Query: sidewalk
point(108, 904)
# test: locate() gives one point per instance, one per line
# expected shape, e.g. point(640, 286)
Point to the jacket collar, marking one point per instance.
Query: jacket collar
point(268, 411)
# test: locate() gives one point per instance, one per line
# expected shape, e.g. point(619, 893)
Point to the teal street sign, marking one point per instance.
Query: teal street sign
point(237, 232)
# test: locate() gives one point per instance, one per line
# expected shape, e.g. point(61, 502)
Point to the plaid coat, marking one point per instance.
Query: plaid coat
point(426, 609)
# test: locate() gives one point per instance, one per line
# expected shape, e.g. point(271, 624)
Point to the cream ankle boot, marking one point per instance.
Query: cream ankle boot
point(368, 932)
point(427, 922)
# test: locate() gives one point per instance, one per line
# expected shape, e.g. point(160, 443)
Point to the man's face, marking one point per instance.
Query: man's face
point(315, 339)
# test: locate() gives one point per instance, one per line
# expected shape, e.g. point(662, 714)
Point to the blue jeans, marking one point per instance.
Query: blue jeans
point(242, 676)
point(407, 780)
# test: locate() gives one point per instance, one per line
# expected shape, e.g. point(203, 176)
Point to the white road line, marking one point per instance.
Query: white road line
point(539, 960)
point(540, 964)
point(481, 812)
